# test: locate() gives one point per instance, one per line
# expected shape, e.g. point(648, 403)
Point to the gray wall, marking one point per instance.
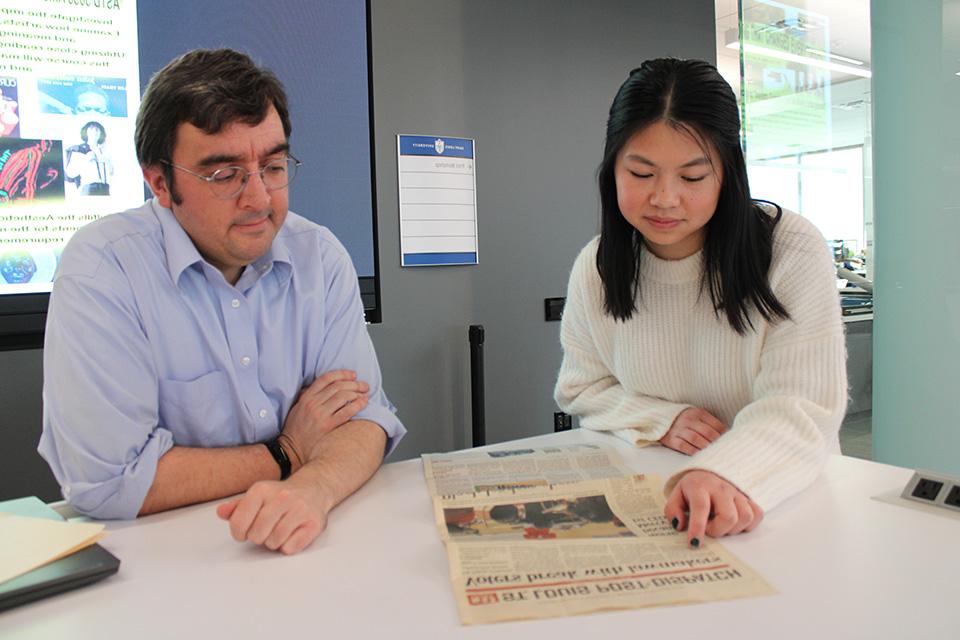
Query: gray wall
point(531, 81)
point(22, 470)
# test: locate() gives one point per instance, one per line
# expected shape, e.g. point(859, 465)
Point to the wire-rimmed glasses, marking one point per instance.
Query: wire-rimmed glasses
point(229, 182)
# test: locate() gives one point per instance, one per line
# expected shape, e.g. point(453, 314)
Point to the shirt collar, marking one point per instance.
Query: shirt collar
point(181, 253)
point(177, 245)
point(277, 259)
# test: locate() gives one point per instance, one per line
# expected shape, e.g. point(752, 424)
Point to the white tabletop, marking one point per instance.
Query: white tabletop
point(845, 566)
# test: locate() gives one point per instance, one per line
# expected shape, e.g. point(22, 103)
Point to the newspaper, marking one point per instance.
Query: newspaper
point(472, 471)
point(577, 548)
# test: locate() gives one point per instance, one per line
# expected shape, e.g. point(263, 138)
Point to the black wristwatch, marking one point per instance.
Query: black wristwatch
point(276, 450)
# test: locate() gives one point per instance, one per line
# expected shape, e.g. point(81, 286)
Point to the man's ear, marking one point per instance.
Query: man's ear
point(156, 179)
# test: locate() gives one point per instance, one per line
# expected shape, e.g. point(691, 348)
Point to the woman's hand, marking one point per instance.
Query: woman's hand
point(704, 503)
point(694, 429)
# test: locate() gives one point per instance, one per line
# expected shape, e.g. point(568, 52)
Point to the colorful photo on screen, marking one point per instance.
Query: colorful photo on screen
point(88, 165)
point(30, 170)
point(20, 266)
point(83, 95)
point(9, 118)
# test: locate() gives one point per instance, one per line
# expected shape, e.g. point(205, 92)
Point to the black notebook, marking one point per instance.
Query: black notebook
point(76, 570)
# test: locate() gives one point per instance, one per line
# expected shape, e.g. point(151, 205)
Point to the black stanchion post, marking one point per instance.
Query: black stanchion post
point(476, 385)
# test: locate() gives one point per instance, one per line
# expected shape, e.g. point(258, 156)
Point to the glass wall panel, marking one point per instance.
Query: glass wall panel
point(805, 98)
point(916, 47)
point(831, 194)
point(802, 71)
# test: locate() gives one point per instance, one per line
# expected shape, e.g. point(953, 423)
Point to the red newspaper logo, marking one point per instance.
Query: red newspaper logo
point(482, 598)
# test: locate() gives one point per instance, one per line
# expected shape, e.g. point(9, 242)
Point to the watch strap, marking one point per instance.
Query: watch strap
point(280, 455)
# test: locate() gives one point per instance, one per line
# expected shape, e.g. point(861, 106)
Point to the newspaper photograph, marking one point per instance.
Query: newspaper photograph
point(579, 548)
point(562, 519)
point(473, 471)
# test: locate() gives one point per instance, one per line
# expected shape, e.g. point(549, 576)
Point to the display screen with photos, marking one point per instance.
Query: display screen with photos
point(71, 76)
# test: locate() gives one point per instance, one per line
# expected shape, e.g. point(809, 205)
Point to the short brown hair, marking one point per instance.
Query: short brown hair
point(209, 88)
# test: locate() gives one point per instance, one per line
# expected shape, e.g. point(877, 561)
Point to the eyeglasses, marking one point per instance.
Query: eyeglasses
point(229, 182)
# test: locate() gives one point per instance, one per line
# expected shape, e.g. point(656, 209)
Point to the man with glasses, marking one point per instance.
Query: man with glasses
point(211, 343)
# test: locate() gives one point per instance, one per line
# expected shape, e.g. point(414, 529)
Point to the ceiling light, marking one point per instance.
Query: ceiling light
point(793, 57)
point(835, 56)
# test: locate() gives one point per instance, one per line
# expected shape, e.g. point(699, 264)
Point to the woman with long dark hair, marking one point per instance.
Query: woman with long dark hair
point(700, 318)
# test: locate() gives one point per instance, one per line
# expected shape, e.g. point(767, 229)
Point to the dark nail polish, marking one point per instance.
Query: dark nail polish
point(695, 542)
point(675, 523)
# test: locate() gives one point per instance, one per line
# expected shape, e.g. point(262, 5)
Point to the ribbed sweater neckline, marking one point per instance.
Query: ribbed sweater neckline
point(688, 269)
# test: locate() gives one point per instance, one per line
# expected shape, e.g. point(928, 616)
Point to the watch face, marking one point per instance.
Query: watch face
point(17, 267)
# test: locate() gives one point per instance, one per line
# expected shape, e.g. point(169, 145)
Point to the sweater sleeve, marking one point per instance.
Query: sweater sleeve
point(779, 442)
point(586, 387)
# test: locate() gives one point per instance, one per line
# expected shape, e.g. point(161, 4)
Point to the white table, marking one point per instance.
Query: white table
point(846, 566)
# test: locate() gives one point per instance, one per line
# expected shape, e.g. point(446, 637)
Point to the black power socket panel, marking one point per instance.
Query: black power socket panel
point(927, 489)
point(934, 489)
point(953, 498)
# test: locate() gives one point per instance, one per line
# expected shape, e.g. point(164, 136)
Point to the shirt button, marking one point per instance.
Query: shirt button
point(263, 413)
point(245, 361)
point(235, 303)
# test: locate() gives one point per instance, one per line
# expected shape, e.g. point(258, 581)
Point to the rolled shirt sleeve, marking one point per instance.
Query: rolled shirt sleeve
point(100, 433)
point(347, 343)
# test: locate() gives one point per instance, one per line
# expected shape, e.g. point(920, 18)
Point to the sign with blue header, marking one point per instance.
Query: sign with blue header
point(438, 202)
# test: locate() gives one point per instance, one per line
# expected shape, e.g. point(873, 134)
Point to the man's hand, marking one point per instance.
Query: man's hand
point(289, 515)
point(704, 503)
point(282, 516)
point(694, 429)
point(328, 402)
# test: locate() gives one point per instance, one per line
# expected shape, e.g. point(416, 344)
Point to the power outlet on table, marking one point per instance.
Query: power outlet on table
point(953, 498)
point(934, 489)
point(927, 489)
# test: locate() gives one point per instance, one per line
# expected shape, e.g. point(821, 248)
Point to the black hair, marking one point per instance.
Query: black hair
point(691, 96)
point(96, 125)
point(505, 513)
point(210, 89)
point(87, 88)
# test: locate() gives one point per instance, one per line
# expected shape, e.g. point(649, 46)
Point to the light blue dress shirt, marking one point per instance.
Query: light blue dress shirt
point(148, 346)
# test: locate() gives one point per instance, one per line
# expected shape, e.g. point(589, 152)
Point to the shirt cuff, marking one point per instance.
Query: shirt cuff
point(384, 416)
point(121, 496)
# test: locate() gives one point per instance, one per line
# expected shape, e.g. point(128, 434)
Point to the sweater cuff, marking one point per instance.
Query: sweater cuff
point(767, 486)
point(635, 437)
point(648, 428)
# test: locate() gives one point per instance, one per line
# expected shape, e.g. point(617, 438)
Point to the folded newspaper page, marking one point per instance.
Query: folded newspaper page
point(471, 471)
point(578, 548)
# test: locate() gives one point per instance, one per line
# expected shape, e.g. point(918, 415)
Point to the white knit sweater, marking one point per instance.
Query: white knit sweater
point(781, 388)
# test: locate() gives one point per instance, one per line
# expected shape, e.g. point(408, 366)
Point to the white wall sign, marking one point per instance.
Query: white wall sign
point(438, 201)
